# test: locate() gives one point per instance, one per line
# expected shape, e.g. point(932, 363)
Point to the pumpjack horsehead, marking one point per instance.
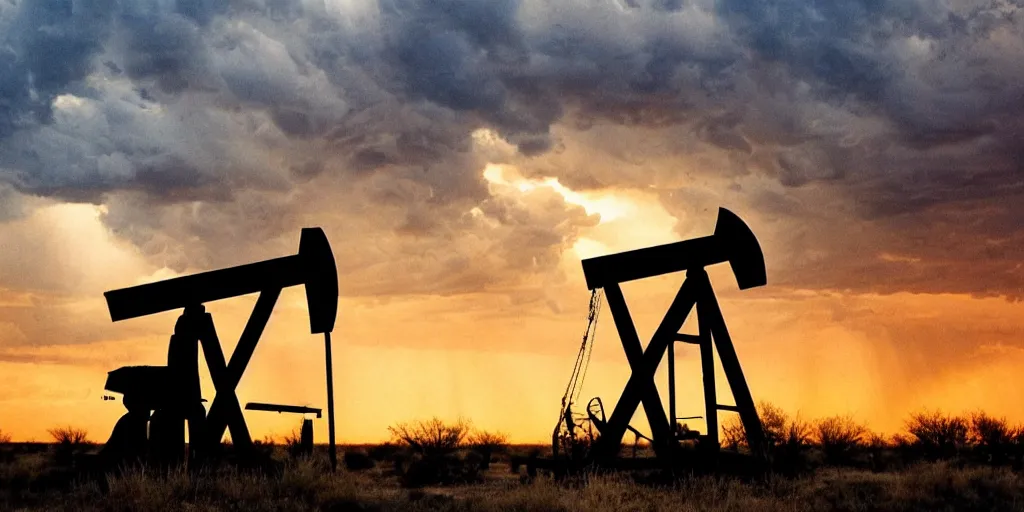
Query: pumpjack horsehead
point(172, 393)
point(733, 243)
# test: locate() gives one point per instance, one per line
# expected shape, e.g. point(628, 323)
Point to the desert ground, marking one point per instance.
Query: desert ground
point(903, 473)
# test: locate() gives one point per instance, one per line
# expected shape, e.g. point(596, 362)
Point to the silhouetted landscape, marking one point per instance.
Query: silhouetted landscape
point(337, 254)
point(940, 462)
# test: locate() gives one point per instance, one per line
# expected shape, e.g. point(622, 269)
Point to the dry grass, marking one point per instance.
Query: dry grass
point(29, 482)
point(873, 473)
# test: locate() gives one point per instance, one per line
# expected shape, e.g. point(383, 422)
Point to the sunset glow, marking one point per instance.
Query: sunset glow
point(462, 166)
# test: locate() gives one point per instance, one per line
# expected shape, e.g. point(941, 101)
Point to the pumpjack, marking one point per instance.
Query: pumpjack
point(575, 444)
point(161, 399)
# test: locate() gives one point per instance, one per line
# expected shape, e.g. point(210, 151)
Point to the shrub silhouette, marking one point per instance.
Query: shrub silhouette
point(68, 435)
point(433, 436)
point(293, 443)
point(5, 438)
point(838, 437)
point(938, 434)
point(799, 433)
point(733, 434)
point(787, 440)
point(434, 461)
point(775, 423)
point(789, 454)
point(68, 439)
point(993, 438)
point(486, 444)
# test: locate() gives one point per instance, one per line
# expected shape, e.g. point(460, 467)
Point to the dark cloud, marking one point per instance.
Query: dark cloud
point(214, 120)
point(46, 46)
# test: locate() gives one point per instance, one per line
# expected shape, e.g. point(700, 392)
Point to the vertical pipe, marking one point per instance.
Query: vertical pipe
point(672, 388)
point(330, 403)
point(707, 366)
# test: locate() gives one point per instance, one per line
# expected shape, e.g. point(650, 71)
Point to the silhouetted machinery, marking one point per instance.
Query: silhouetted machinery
point(732, 242)
point(165, 397)
point(305, 434)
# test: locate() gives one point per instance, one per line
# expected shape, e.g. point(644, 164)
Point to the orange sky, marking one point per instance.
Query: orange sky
point(502, 364)
point(463, 156)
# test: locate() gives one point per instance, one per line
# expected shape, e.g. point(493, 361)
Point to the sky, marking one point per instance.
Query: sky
point(463, 156)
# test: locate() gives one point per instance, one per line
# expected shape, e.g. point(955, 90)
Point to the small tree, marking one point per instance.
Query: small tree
point(939, 434)
point(433, 436)
point(838, 437)
point(435, 461)
point(5, 438)
point(68, 440)
point(774, 422)
point(785, 439)
point(68, 435)
point(993, 438)
point(798, 433)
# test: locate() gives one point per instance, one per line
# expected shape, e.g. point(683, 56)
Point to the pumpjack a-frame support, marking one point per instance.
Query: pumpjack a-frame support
point(732, 242)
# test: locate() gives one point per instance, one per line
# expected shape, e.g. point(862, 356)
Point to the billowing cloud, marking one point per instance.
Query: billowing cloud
point(462, 155)
point(865, 140)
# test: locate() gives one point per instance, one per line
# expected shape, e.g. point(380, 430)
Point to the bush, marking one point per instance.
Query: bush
point(5, 438)
point(68, 440)
point(839, 436)
point(68, 435)
point(778, 429)
point(433, 436)
point(486, 444)
point(938, 435)
point(876, 441)
point(293, 443)
point(773, 422)
point(994, 439)
point(786, 440)
point(435, 444)
point(798, 433)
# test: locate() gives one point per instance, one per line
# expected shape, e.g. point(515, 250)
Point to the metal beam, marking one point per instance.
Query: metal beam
point(297, 409)
point(225, 411)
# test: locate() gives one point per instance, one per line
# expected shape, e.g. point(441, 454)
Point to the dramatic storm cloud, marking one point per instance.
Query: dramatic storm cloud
point(905, 114)
point(476, 149)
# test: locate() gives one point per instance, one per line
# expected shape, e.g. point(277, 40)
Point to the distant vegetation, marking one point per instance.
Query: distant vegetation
point(443, 452)
point(68, 435)
point(938, 462)
point(797, 445)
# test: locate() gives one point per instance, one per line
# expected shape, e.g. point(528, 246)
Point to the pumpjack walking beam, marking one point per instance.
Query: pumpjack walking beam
point(733, 242)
